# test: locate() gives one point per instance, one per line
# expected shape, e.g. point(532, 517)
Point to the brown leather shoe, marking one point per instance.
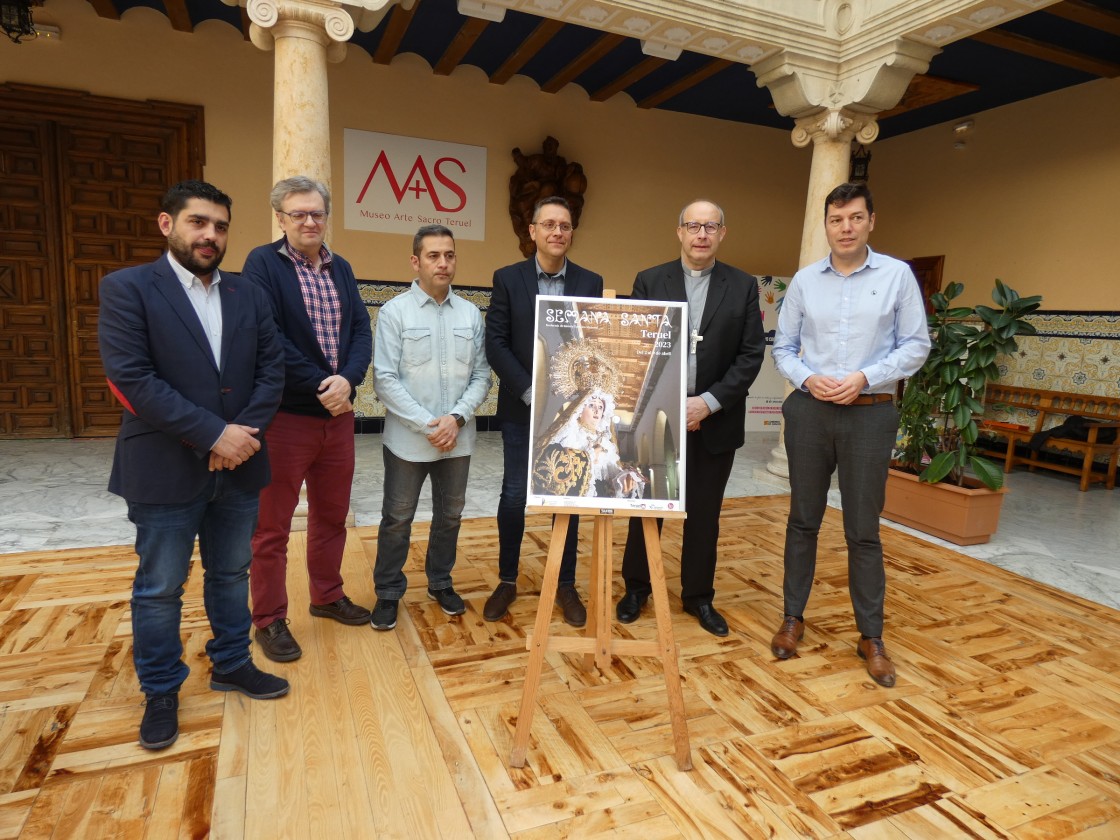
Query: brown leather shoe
point(277, 641)
point(784, 643)
point(343, 611)
point(879, 665)
point(497, 605)
point(574, 612)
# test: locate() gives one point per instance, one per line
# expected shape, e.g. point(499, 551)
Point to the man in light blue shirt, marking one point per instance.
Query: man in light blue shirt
point(430, 371)
point(851, 326)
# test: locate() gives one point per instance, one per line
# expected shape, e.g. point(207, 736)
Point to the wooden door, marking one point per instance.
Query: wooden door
point(33, 401)
point(114, 159)
point(928, 271)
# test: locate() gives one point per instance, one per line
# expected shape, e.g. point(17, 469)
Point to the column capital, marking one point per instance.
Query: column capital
point(834, 124)
point(324, 21)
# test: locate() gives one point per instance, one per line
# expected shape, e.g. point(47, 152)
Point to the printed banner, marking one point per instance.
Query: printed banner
point(764, 405)
point(607, 424)
point(395, 184)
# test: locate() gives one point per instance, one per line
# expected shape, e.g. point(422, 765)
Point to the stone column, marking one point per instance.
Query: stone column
point(831, 133)
point(306, 34)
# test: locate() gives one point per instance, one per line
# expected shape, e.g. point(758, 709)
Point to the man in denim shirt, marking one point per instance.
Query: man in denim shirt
point(430, 372)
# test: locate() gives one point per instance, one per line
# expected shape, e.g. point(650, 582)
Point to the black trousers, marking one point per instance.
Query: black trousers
point(822, 437)
point(706, 476)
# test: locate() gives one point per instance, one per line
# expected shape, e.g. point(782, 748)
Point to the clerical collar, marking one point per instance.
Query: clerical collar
point(697, 274)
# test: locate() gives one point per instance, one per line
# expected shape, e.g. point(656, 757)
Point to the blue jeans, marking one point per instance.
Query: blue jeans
point(224, 519)
point(821, 438)
point(403, 481)
point(511, 508)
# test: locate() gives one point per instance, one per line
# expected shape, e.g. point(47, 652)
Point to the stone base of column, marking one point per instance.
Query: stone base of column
point(778, 464)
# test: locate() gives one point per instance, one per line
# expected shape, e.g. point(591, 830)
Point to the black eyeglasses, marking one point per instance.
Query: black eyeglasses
point(694, 227)
point(301, 216)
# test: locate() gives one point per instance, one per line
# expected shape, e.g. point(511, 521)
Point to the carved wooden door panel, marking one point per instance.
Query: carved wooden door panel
point(81, 177)
point(111, 184)
point(33, 401)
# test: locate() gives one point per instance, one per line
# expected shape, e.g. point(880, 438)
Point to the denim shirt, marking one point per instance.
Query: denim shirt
point(428, 361)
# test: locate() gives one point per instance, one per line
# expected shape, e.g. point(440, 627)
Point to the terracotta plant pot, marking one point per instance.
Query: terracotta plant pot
point(961, 515)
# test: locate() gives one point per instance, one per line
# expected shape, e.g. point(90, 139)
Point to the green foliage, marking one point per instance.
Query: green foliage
point(942, 401)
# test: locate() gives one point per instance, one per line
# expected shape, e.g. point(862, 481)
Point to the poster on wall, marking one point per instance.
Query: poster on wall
point(764, 405)
point(395, 184)
point(607, 423)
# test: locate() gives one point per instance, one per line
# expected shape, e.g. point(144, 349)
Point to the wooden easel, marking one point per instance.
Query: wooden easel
point(597, 642)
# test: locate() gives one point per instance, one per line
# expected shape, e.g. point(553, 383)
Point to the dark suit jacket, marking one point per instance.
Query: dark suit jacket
point(177, 404)
point(731, 354)
point(509, 328)
point(305, 365)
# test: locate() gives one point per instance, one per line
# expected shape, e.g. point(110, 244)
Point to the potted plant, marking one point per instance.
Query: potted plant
point(938, 417)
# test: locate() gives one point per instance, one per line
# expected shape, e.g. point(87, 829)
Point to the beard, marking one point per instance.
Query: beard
point(189, 259)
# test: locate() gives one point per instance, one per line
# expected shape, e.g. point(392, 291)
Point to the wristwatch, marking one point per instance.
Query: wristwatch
point(459, 421)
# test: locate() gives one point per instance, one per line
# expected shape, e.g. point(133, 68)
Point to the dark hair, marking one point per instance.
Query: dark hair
point(176, 198)
point(428, 230)
point(845, 193)
point(559, 201)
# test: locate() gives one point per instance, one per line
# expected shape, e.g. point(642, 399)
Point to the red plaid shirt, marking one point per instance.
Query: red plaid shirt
point(321, 299)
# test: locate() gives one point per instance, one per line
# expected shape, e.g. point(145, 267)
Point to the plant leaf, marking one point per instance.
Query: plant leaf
point(938, 468)
point(989, 474)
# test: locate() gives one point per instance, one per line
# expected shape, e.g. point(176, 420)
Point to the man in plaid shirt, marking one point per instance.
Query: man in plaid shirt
point(325, 331)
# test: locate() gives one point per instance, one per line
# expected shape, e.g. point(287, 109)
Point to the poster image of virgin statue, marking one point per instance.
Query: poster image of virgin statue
point(607, 419)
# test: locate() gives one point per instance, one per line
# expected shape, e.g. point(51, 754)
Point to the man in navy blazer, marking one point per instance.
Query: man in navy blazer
point(328, 344)
point(726, 347)
point(510, 339)
point(192, 355)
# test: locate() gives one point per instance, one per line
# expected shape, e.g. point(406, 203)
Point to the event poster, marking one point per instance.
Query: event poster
point(608, 405)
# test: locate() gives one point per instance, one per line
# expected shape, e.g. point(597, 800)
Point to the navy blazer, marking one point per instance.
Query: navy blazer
point(177, 403)
point(733, 347)
point(509, 328)
point(305, 365)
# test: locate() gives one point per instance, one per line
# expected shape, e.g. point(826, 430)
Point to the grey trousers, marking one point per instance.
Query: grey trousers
point(822, 437)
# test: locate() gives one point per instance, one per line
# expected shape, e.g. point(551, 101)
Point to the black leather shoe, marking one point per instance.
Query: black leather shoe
point(343, 611)
point(709, 619)
point(160, 727)
point(497, 605)
point(252, 682)
point(630, 607)
point(277, 641)
point(575, 614)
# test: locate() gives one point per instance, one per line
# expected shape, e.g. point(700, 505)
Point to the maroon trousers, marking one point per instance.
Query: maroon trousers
point(320, 451)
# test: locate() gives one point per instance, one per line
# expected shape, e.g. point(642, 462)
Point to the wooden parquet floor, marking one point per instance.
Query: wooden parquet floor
point(1005, 721)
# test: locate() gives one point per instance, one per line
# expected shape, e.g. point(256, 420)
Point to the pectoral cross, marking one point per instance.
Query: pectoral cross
point(693, 340)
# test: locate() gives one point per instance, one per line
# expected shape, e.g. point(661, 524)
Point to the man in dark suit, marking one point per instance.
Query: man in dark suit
point(193, 357)
point(325, 332)
point(509, 349)
point(726, 346)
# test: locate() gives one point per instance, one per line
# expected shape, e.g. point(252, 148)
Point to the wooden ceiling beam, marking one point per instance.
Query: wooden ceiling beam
point(399, 19)
point(690, 81)
point(540, 36)
point(105, 9)
point(178, 15)
point(584, 60)
point(460, 45)
point(637, 72)
point(1087, 14)
point(1047, 52)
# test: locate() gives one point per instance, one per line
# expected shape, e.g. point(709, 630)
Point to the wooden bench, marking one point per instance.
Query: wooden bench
point(1049, 408)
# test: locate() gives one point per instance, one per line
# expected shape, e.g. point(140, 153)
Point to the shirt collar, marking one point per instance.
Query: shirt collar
point(423, 298)
point(186, 277)
point(285, 248)
point(559, 274)
point(873, 260)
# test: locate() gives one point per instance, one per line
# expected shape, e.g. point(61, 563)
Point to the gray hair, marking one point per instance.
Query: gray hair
point(298, 184)
point(680, 218)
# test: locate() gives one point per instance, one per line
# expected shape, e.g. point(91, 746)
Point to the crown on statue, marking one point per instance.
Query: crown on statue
point(581, 365)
